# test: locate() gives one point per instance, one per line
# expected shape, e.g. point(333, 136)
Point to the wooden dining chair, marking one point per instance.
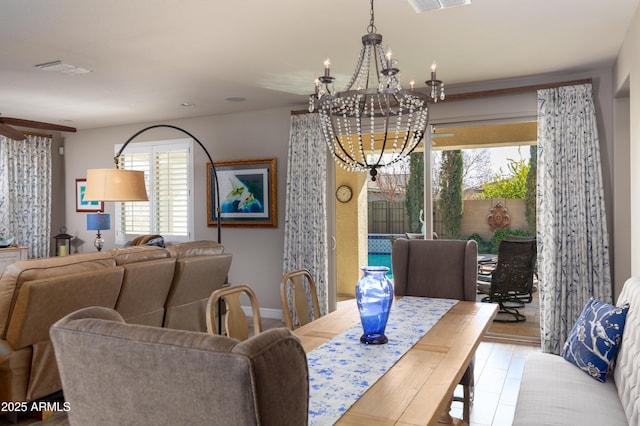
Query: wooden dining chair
point(236, 324)
point(438, 268)
point(304, 298)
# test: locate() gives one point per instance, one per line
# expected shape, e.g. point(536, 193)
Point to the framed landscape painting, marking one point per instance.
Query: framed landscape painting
point(81, 204)
point(247, 191)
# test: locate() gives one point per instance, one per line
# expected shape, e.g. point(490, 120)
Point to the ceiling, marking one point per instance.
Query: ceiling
point(148, 57)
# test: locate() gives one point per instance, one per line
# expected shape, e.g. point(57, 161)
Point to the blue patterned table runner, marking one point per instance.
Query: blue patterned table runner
point(342, 369)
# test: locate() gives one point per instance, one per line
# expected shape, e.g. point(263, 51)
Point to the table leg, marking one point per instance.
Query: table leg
point(446, 419)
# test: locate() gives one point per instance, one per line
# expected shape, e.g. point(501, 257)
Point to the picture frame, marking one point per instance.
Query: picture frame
point(81, 204)
point(249, 193)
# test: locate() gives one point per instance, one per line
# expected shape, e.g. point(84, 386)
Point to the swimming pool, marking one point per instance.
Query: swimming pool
point(381, 259)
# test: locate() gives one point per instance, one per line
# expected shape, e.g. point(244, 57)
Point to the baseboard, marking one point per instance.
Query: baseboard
point(264, 312)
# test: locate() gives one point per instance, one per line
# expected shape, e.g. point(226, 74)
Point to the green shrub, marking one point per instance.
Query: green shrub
point(483, 246)
point(475, 236)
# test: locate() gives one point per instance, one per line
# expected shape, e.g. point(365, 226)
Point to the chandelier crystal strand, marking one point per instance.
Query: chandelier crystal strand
point(394, 120)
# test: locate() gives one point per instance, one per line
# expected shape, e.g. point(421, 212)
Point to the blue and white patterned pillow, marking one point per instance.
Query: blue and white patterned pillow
point(595, 338)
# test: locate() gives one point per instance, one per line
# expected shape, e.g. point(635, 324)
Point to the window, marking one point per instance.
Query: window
point(168, 169)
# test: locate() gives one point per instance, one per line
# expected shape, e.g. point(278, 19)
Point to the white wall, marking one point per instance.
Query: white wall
point(257, 252)
point(626, 84)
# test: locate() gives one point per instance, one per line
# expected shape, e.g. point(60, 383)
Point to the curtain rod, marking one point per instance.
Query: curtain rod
point(497, 92)
point(513, 90)
point(303, 111)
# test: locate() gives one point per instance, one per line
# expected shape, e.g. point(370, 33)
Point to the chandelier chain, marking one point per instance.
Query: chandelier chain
point(371, 29)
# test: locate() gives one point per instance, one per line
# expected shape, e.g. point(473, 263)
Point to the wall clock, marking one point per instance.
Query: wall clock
point(344, 193)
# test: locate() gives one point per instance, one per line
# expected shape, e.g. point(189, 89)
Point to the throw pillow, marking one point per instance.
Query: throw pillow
point(595, 338)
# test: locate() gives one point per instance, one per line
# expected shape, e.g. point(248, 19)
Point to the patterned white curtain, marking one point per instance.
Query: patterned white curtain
point(305, 232)
point(573, 252)
point(25, 192)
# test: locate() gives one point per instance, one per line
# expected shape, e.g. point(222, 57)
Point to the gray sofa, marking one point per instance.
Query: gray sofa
point(555, 392)
point(123, 374)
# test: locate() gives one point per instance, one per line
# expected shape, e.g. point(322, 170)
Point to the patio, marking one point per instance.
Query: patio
point(528, 330)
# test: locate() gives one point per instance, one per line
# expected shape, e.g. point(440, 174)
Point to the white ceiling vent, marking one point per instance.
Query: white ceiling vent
point(421, 6)
point(61, 67)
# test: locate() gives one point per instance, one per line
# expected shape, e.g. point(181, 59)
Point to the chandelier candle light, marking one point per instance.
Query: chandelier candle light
point(374, 122)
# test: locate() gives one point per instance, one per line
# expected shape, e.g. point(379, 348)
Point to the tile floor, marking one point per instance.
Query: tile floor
point(498, 370)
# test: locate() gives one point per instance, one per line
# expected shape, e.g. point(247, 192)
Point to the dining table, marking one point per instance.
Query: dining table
point(415, 387)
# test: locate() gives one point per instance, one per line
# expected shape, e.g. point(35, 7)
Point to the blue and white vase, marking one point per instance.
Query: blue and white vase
point(374, 294)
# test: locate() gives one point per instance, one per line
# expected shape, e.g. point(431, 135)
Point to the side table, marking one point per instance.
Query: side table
point(10, 255)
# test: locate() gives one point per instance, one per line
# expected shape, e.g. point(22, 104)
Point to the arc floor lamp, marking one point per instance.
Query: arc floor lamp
point(128, 185)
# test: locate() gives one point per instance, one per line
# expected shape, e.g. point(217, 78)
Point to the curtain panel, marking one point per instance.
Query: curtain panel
point(305, 232)
point(573, 252)
point(25, 192)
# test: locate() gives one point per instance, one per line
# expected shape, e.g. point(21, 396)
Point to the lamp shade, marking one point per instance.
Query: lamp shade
point(98, 221)
point(115, 185)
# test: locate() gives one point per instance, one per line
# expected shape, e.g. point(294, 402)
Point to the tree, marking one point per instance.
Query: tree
point(450, 203)
point(392, 181)
point(476, 171)
point(477, 167)
point(414, 200)
point(509, 185)
point(531, 188)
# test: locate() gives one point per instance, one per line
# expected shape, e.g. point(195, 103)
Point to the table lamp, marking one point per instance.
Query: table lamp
point(99, 222)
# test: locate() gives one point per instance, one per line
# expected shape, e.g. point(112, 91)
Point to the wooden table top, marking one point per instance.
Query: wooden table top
point(418, 388)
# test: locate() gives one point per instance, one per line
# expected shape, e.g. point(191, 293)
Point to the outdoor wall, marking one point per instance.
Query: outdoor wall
point(476, 212)
point(474, 218)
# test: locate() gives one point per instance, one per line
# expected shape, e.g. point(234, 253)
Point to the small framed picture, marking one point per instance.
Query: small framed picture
point(247, 193)
point(81, 204)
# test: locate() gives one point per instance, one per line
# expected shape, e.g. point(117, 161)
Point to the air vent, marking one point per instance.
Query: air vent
point(61, 67)
point(421, 6)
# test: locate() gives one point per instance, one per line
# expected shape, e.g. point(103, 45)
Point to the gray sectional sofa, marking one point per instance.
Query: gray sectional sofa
point(556, 392)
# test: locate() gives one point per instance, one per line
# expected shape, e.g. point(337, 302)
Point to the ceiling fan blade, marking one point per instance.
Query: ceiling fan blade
point(11, 133)
point(36, 124)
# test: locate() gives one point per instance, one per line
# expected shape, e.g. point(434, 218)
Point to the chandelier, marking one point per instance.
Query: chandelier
point(374, 122)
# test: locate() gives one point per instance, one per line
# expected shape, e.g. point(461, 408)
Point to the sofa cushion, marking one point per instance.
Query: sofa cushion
point(195, 248)
point(595, 338)
point(144, 291)
point(43, 302)
point(554, 392)
point(18, 273)
point(194, 279)
point(136, 254)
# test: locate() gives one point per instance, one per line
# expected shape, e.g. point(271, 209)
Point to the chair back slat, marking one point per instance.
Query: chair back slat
point(235, 320)
point(305, 303)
